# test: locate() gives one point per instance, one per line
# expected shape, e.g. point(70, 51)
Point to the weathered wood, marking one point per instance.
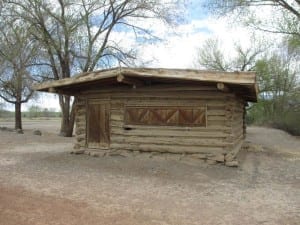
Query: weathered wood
point(222, 87)
point(210, 151)
point(216, 112)
point(80, 130)
point(51, 90)
point(153, 88)
point(216, 118)
point(169, 140)
point(169, 133)
point(230, 156)
point(80, 138)
point(131, 81)
point(212, 125)
point(98, 134)
point(135, 94)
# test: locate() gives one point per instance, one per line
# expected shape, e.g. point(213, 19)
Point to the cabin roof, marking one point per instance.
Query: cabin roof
point(243, 83)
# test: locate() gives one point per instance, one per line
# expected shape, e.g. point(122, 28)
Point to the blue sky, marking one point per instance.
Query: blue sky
point(195, 10)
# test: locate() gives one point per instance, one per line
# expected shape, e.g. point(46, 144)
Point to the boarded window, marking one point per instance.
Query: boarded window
point(165, 116)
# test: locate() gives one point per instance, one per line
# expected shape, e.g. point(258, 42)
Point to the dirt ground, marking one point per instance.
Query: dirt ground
point(41, 184)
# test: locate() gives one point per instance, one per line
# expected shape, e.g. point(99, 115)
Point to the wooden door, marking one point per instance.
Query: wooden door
point(98, 125)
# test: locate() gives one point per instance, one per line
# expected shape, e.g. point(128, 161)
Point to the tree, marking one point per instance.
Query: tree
point(283, 15)
point(279, 103)
point(277, 78)
point(228, 6)
point(16, 54)
point(211, 57)
point(76, 36)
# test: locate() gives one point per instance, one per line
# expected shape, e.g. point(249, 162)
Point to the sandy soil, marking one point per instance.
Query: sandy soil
point(41, 183)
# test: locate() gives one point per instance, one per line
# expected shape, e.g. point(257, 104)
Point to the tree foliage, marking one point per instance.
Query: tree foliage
point(277, 80)
point(279, 103)
point(275, 16)
point(210, 56)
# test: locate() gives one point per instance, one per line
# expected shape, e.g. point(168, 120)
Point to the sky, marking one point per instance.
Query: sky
point(179, 46)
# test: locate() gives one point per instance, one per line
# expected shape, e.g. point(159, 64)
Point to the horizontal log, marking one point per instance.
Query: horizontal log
point(168, 148)
point(79, 138)
point(158, 87)
point(99, 100)
point(161, 95)
point(216, 107)
point(237, 124)
point(80, 114)
point(174, 101)
point(218, 123)
point(214, 124)
point(79, 119)
point(80, 109)
point(216, 118)
point(169, 140)
point(237, 132)
point(169, 133)
point(118, 124)
point(81, 124)
point(234, 151)
point(216, 112)
point(236, 141)
point(117, 105)
point(151, 89)
point(80, 130)
point(81, 144)
point(120, 111)
point(238, 116)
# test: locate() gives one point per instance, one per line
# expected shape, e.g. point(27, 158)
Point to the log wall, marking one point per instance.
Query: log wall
point(80, 123)
point(219, 140)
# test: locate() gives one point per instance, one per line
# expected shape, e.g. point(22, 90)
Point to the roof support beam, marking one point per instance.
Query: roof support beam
point(51, 90)
point(129, 80)
point(222, 87)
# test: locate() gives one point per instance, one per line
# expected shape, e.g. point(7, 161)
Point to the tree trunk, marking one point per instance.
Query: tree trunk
point(18, 116)
point(68, 116)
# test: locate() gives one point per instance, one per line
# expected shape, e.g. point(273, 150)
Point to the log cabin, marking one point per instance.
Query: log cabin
point(194, 113)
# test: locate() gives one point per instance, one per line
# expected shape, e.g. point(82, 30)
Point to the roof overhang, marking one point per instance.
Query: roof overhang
point(245, 82)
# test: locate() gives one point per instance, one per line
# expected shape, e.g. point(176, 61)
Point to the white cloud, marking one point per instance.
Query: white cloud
point(180, 45)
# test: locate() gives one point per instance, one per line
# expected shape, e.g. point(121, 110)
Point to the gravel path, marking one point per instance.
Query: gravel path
point(41, 183)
